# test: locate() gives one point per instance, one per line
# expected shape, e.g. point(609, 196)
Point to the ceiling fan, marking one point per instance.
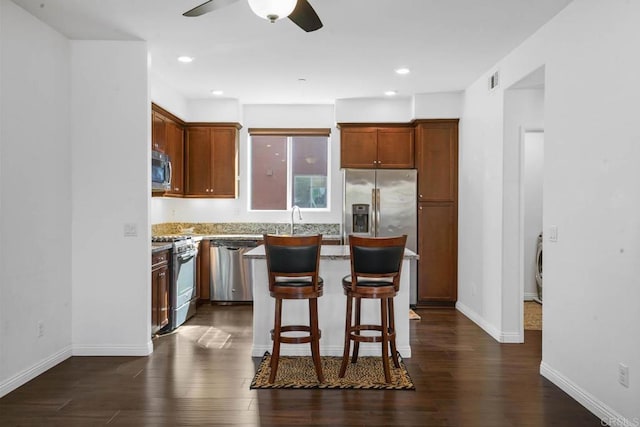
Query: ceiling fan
point(298, 11)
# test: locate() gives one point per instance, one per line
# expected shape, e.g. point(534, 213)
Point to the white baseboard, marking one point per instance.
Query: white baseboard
point(530, 296)
point(113, 350)
point(30, 373)
point(498, 335)
point(596, 407)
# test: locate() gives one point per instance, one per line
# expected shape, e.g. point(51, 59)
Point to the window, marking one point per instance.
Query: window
point(289, 167)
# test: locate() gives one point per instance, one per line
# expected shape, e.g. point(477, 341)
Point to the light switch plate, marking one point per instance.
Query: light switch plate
point(130, 230)
point(553, 233)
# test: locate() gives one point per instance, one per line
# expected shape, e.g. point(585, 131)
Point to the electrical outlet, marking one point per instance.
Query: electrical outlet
point(623, 374)
point(40, 329)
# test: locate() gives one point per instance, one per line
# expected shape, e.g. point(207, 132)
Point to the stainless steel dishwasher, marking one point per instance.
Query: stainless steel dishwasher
point(230, 279)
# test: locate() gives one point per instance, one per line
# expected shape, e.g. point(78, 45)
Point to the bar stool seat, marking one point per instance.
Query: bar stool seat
point(375, 274)
point(292, 264)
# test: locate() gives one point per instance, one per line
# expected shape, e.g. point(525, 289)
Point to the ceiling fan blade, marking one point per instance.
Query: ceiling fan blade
point(208, 6)
point(305, 17)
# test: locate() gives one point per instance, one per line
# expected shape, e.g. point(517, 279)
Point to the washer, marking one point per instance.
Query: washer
point(539, 267)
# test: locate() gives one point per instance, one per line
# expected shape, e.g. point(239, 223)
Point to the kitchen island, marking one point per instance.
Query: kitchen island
point(334, 265)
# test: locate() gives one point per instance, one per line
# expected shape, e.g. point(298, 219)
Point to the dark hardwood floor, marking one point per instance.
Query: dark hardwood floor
point(200, 375)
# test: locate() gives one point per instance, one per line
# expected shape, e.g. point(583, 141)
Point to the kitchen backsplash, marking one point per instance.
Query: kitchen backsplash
point(213, 228)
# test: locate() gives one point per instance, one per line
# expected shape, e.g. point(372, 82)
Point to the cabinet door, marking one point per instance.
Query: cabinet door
point(437, 161)
point(154, 301)
point(158, 132)
point(163, 296)
point(358, 148)
point(198, 162)
point(437, 268)
point(224, 162)
point(395, 148)
point(175, 150)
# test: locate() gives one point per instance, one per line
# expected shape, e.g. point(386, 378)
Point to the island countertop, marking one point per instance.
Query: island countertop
point(326, 252)
point(334, 265)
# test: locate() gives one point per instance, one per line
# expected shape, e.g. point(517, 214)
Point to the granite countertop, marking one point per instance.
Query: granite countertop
point(254, 236)
point(326, 252)
point(160, 246)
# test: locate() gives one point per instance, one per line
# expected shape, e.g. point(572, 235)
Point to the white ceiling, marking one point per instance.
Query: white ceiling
point(447, 44)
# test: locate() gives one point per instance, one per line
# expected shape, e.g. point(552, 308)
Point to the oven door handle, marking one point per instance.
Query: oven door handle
point(187, 256)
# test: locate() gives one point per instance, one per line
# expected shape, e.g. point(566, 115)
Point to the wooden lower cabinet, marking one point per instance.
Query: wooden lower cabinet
point(159, 290)
point(437, 246)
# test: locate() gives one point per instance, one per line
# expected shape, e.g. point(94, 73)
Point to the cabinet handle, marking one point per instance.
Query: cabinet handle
point(162, 274)
point(421, 196)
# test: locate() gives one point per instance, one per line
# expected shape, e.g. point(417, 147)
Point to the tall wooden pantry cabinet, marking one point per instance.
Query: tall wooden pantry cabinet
point(436, 144)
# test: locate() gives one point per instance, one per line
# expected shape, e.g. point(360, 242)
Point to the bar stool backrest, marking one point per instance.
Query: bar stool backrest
point(293, 257)
point(376, 257)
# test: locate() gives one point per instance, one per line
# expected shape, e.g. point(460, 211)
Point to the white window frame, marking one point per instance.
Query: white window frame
point(289, 175)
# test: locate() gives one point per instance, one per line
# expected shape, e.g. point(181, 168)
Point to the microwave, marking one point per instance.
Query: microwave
point(160, 171)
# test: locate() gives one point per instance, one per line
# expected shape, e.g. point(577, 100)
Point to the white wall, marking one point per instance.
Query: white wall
point(590, 192)
point(374, 110)
point(165, 95)
point(35, 198)
point(214, 110)
point(110, 134)
point(441, 105)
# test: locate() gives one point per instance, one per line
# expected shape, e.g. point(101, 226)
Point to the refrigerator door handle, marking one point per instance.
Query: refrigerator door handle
point(378, 209)
point(374, 212)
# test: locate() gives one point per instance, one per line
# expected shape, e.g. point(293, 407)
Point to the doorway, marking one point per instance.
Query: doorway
point(532, 149)
point(523, 173)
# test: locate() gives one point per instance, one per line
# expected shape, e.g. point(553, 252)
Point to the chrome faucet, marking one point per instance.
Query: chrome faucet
point(293, 209)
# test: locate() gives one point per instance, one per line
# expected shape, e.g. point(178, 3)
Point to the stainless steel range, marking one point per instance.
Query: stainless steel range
point(182, 289)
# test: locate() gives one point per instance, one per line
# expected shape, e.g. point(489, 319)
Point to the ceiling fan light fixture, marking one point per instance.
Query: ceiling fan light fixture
point(272, 10)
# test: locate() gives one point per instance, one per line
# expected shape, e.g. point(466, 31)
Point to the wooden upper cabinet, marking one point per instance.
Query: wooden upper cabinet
point(378, 146)
point(198, 162)
point(211, 161)
point(167, 136)
point(175, 151)
point(395, 148)
point(437, 160)
point(158, 134)
point(358, 147)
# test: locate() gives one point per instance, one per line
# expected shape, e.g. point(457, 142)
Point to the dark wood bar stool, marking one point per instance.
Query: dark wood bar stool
point(375, 273)
point(292, 264)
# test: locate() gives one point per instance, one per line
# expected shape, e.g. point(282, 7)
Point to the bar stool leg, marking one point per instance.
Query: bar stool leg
point(385, 339)
point(356, 344)
point(315, 338)
point(392, 329)
point(347, 338)
point(275, 336)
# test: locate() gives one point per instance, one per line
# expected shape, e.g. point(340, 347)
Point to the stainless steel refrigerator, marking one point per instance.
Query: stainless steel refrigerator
point(379, 203)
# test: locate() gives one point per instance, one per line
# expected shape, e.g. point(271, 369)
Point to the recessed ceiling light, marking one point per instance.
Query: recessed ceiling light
point(391, 93)
point(185, 59)
point(217, 92)
point(402, 71)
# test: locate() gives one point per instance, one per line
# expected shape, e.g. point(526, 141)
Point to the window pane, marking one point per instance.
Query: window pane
point(269, 172)
point(309, 171)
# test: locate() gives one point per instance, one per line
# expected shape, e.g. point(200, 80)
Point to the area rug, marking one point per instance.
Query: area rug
point(532, 316)
point(413, 315)
point(297, 372)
